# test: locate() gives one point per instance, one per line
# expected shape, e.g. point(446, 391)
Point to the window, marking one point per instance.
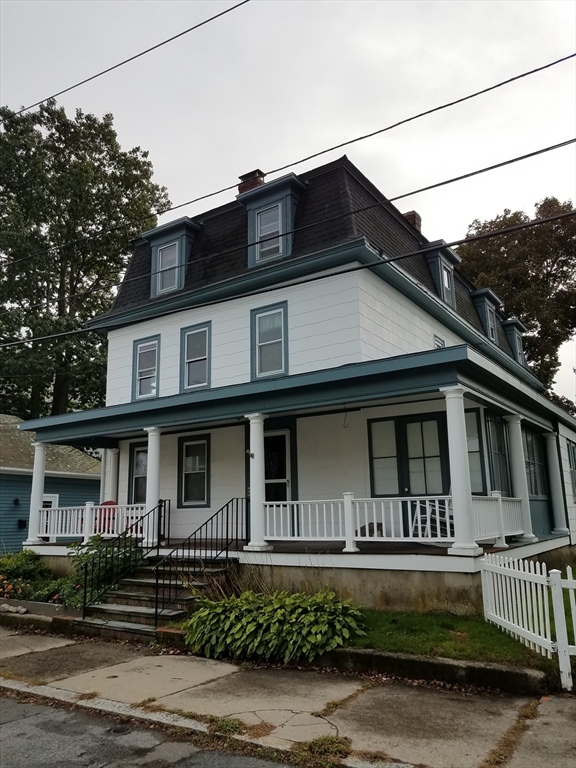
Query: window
point(572, 461)
point(447, 278)
point(498, 454)
point(384, 458)
point(139, 470)
point(474, 451)
point(269, 229)
point(194, 479)
point(491, 316)
point(519, 351)
point(269, 341)
point(195, 357)
point(146, 352)
point(534, 459)
point(168, 268)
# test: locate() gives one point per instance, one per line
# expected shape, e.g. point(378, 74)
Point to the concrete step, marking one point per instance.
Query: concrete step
point(132, 613)
point(120, 630)
point(184, 602)
point(190, 569)
point(148, 586)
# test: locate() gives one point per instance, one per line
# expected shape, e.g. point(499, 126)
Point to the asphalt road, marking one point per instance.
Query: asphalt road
point(40, 736)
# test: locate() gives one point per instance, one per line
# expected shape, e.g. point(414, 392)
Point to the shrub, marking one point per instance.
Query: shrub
point(64, 591)
point(113, 560)
point(279, 627)
point(25, 565)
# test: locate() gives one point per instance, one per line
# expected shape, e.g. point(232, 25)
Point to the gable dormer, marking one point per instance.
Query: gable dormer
point(442, 262)
point(171, 244)
point(271, 212)
point(488, 304)
point(514, 329)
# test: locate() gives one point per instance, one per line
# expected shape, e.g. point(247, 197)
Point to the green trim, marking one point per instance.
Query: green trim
point(135, 344)
point(183, 333)
point(281, 306)
point(182, 441)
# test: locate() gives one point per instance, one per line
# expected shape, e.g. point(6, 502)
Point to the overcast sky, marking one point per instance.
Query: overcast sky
point(276, 80)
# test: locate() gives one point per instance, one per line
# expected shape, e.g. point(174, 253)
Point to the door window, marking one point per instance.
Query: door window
point(139, 472)
point(276, 467)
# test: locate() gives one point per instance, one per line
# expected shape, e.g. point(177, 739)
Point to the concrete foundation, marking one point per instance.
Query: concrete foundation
point(383, 590)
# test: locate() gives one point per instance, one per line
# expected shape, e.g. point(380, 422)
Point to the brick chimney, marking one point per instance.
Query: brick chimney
point(250, 181)
point(414, 218)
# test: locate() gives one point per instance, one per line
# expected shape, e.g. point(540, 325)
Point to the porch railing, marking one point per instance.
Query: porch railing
point(83, 522)
point(121, 555)
point(426, 519)
point(226, 530)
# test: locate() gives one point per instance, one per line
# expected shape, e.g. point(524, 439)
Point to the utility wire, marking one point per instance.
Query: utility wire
point(47, 302)
point(161, 212)
point(126, 61)
point(379, 262)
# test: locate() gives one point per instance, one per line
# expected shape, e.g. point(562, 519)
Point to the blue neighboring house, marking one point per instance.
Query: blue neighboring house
point(72, 478)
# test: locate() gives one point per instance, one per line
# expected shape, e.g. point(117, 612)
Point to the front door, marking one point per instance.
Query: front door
point(277, 466)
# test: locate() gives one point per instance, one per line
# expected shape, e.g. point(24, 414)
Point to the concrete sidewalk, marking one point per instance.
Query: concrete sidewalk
point(387, 723)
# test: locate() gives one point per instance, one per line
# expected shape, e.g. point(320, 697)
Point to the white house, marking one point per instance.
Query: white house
point(306, 348)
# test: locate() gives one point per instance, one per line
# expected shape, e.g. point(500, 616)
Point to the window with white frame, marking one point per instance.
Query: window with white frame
point(194, 471)
point(269, 341)
point(447, 283)
point(572, 462)
point(491, 318)
point(146, 368)
point(195, 350)
point(269, 230)
point(167, 267)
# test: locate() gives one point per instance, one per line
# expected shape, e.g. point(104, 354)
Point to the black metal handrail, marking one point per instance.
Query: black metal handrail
point(225, 529)
point(120, 555)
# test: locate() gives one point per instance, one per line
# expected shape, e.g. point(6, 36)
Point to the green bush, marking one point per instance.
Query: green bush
point(25, 565)
point(64, 591)
point(279, 627)
point(113, 560)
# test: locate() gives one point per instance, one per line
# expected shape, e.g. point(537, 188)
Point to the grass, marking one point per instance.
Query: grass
point(447, 635)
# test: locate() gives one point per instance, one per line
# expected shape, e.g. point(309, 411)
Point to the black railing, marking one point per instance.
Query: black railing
point(121, 555)
point(225, 531)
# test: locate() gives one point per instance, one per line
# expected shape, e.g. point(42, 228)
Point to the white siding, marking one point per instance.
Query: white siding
point(227, 479)
point(567, 434)
point(391, 324)
point(323, 332)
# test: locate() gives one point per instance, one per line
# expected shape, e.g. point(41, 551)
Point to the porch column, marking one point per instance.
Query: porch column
point(257, 484)
point(464, 543)
point(36, 494)
point(556, 494)
point(103, 475)
point(112, 482)
point(518, 473)
point(152, 483)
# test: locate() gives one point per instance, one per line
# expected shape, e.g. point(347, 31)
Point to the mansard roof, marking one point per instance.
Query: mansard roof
point(325, 218)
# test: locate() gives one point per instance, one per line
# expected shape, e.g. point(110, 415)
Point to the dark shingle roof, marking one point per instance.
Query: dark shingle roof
point(324, 219)
point(17, 452)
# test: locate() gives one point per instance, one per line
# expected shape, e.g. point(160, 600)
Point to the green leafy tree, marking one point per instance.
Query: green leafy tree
point(70, 202)
point(533, 271)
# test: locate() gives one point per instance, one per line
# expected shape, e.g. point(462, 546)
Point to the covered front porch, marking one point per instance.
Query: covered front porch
point(367, 459)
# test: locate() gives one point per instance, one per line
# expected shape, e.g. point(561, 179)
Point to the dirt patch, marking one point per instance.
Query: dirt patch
point(59, 663)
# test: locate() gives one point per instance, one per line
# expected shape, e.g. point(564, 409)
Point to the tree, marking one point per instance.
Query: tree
point(71, 200)
point(533, 271)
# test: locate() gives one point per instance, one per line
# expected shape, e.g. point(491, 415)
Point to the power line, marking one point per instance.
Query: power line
point(379, 262)
point(126, 61)
point(161, 212)
point(81, 294)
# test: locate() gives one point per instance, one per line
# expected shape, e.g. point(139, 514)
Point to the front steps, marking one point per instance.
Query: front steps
point(128, 609)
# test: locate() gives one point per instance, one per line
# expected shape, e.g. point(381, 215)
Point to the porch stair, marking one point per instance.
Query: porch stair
point(129, 608)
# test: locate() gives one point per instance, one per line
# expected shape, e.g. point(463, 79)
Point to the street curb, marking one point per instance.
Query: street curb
point(166, 719)
point(513, 680)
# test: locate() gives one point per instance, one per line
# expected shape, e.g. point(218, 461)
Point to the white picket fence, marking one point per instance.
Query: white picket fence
point(528, 602)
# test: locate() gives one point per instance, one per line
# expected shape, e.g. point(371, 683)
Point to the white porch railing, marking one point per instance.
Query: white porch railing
point(84, 522)
point(427, 519)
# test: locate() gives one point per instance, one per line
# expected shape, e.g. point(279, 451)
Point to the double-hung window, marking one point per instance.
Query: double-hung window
point(269, 341)
point(194, 475)
point(498, 454)
point(572, 462)
point(167, 265)
point(195, 357)
point(268, 232)
point(491, 320)
point(534, 459)
point(146, 353)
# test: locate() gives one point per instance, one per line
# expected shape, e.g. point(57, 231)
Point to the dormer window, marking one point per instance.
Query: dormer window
point(268, 231)
point(442, 263)
point(170, 248)
point(491, 323)
point(168, 268)
point(487, 304)
point(514, 329)
point(271, 209)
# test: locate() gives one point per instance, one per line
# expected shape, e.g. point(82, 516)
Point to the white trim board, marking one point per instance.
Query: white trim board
point(52, 473)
